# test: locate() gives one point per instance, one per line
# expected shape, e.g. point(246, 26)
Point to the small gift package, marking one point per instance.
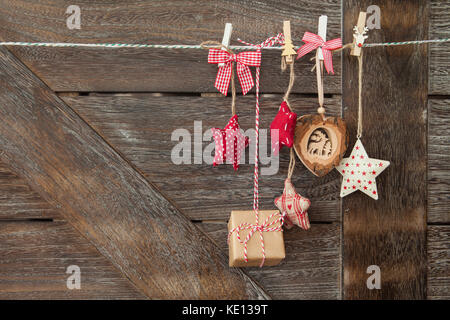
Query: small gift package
point(255, 243)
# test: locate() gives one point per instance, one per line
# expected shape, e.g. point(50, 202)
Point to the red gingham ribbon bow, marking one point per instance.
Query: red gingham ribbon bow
point(265, 227)
point(243, 60)
point(313, 41)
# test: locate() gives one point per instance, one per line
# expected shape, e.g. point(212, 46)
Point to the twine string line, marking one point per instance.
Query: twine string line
point(185, 46)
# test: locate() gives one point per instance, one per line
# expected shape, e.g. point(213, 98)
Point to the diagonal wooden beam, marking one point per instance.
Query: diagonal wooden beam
point(105, 198)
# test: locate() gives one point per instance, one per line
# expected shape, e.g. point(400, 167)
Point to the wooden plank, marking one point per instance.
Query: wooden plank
point(19, 201)
point(57, 245)
point(105, 198)
point(311, 269)
point(389, 232)
point(35, 253)
point(438, 161)
point(141, 126)
point(438, 280)
point(34, 257)
point(439, 59)
point(175, 22)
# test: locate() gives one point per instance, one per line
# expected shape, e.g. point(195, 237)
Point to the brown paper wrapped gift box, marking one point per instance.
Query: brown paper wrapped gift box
point(273, 240)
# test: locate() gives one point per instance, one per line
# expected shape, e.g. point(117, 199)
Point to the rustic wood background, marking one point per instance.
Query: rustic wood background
point(86, 176)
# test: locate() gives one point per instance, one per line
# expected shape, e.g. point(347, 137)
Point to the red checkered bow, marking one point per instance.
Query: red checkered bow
point(243, 60)
point(313, 41)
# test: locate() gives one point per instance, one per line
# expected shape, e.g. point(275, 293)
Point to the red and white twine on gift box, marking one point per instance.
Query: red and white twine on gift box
point(274, 226)
point(265, 227)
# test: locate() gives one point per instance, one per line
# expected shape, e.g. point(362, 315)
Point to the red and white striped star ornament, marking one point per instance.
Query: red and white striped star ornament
point(294, 205)
point(359, 172)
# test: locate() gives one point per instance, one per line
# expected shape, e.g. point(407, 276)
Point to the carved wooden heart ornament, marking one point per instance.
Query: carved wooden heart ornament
point(320, 144)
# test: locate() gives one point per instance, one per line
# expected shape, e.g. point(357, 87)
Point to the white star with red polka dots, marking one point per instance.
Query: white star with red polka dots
point(359, 172)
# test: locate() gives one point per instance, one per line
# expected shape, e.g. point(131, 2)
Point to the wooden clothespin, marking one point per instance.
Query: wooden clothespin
point(322, 32)
point(359, 34)
point(226, 38)
point(288, 48)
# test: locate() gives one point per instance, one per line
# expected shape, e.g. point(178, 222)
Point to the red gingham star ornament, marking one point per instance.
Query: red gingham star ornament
point(359, 172)
point(284, 122)
point(230, 143)
point(294, 205)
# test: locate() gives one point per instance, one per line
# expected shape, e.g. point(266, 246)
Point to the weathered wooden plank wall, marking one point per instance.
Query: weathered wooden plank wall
point(38, 245)
point(438, 262)
point(106, 199)
point(187, 22)
point(390, 232)
point(438, 161)
point(139, 127)
point(43, 63)
point(439, 28)
point(438, 213)
point(19, 201)
point(35, 255)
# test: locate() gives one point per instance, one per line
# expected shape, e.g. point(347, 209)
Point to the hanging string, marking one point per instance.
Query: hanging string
point(186, 46)
point(286, 99)
point(291, 84)
point(217, 45)
point(257, 227)
point(233, 92)
point(360, 76)
point(267, 43)
point(283, 64)
point(320, 92)
point(291, 164)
